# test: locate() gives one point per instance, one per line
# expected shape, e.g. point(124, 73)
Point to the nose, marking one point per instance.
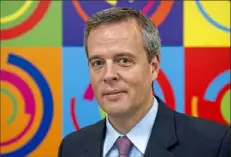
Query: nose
point(110, 73)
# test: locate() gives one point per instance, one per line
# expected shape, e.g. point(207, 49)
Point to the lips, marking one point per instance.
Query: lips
point(113, 92)
point(113, 95)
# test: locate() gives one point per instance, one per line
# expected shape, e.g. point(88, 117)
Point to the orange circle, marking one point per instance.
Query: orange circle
point(80, 10)
point(158, 16)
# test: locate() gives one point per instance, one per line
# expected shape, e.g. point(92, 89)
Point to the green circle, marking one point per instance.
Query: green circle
point(225, 106)
point(15, 107)
point(102, 113)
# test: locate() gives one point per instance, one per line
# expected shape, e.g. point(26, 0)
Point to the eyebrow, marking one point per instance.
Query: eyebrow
point(125, 54)
point(93, 57)
point(121, 54)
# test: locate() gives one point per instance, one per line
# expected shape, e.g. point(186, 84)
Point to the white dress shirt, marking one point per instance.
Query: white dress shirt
point(139, 135)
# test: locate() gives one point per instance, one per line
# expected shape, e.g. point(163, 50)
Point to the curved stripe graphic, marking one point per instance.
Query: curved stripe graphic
point(167, 89)
point(162, 12)
point(73, 114)
point(216, 85)
point(14, 101)
point(148, 6)
point(16, 14)
point(28, 24)
point(28, 99)
point(47, 106)
point(211, 20)
point(81, 12)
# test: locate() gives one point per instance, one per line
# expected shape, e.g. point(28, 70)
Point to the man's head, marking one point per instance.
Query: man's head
point(123, 50)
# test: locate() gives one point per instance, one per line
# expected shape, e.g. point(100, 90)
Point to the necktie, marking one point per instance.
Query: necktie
point(123, 145)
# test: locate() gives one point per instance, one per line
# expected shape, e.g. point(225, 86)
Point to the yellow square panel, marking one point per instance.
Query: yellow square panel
point(207, 23)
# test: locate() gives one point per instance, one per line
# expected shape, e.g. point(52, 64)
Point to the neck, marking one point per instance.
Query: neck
point(124, 123)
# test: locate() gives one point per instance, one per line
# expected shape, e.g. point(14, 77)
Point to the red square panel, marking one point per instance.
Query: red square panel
point(207, 83)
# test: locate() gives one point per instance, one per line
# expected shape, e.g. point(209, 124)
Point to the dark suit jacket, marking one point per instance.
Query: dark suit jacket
point(173, 135)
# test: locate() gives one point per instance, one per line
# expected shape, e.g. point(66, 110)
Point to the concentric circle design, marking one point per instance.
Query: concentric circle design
point(211, 19)
point(158, 16)
point(166, 90)
point(28, 99)
point(28, 24)
point(216, 95)
point(17, 14)
point(15, 105)
point(47, 115)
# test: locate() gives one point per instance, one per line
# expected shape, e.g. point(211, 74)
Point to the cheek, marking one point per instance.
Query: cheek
point(137, 79)
point(96, 76)
point(133, 78)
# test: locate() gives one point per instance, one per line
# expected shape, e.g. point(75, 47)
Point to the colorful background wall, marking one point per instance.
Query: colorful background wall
point(45, 86)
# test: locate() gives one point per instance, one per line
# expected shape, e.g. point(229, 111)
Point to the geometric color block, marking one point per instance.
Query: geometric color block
point(79, 106)
point(170, 82)
point(208, 83)
point(163, 13)
point(171, 29)
point(207, 23)
point(30, 101)
point(31, 23)
point(46, 90)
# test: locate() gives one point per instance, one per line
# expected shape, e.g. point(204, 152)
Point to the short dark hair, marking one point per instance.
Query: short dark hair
point(148, 29)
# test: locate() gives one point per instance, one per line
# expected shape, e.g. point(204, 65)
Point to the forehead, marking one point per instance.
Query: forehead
point(123, 26)
point(117, 36)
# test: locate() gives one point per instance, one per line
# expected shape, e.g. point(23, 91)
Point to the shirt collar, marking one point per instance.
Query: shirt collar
point(139, 135)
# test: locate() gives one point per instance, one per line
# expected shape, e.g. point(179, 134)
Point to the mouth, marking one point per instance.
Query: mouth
point(113, 95)
point(113, 92)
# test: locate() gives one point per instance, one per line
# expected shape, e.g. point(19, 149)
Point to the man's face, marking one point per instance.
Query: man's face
point(121, 75)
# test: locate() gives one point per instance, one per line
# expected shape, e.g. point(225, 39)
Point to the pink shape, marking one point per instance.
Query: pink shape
point(28, 99)
point(89, 95)
point(147, 7)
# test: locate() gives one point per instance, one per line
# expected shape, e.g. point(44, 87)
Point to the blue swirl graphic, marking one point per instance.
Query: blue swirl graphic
point(47, 106)
point(211, 20)
point(216, 85)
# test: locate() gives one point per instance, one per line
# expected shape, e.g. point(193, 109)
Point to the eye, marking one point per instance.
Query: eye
point(97, 64)
point(124, 61)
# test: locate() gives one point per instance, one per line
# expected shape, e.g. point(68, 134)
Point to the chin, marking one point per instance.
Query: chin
point(116, 109)
point(117, 113)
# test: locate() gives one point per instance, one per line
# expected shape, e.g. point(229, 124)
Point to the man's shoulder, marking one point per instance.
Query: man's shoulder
point(88, 131)
point(200, 128)
point(77, 141)
point(200, 123)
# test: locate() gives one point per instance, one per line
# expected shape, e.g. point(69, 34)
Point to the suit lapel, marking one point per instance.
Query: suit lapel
point(94, 150)
point(162, 138)
point(158, 151)
point(163, 135)
point(95, 141)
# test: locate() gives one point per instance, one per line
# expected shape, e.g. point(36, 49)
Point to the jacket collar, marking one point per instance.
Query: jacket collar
point(163, 135)
point(95, 140)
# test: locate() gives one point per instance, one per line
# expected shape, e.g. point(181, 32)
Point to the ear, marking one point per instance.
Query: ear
point(155, 66)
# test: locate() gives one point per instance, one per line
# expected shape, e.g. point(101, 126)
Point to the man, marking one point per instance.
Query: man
point(123, 51)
